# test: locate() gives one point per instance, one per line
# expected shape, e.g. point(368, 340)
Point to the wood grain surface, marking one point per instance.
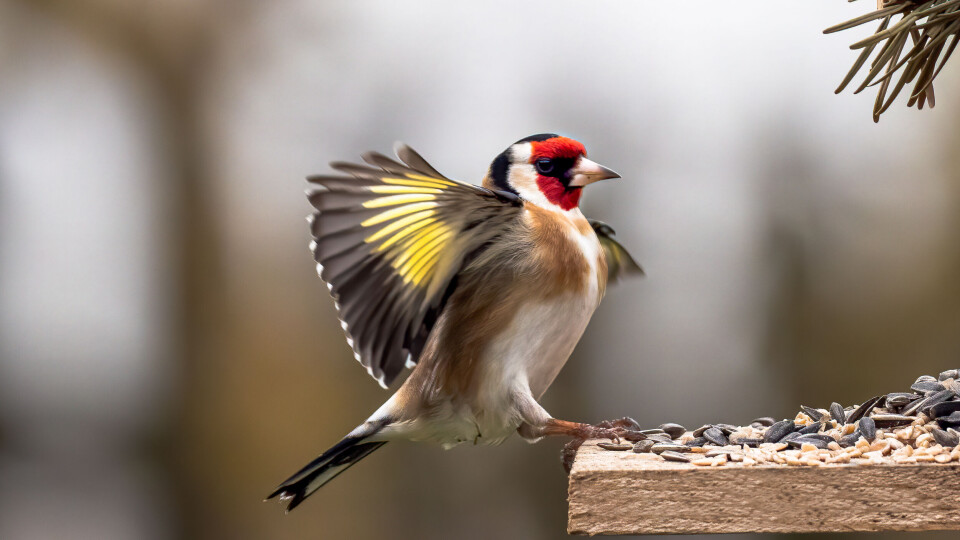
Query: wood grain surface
point(627, 493)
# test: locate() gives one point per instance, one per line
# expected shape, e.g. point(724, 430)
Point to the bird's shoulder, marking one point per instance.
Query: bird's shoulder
point(619, 262)
point(564, 248)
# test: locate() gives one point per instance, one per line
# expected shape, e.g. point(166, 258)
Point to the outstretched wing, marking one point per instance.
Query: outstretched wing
point(389, 240)
point(619, 262)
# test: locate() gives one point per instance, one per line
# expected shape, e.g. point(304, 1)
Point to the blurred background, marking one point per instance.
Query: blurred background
point(168, 355)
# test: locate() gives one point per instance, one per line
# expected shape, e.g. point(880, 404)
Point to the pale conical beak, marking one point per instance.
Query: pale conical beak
point(588, 172)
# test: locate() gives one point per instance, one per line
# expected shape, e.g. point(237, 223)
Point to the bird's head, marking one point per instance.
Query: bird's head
point(547, 170)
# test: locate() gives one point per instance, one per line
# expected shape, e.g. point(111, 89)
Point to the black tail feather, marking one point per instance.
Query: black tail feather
point(318, 472)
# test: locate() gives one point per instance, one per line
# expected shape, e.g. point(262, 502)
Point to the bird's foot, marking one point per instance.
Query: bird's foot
point(625, 427)
point(613, 430)
point(569, 453)
point(586, 431)
point(626, 423)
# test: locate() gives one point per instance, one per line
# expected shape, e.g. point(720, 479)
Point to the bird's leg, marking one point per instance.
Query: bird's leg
point(625, 427)
point(578, 431)
point(538, 423)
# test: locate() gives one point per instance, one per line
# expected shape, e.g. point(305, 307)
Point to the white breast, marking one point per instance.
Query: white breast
point(539, 342)
point(531, 351)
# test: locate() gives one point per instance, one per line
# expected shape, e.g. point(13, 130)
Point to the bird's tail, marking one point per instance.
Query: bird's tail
point(351, 449)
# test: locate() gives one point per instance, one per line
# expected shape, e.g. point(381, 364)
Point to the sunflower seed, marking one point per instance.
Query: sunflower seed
point(697, 442)
point(614, 446)
point(932, 399)
point(812, 428)
point(753, 443)
point(948, 374)
point(674, 456)
point(814, 414)
point(765, 421)
point(663, 447)
point(727, 429)
point(674, 430)
point(939, 397)
point(892, 420)
point(778, 431)
point(652, 431)
point(633, 436)
point(952, 420)
point(849, 440)
point(868, 427)
point(899, 399)
point(926, 386)
point(836, 412)
point(800, 441)
point(864, 409)
point(791, 436)
point(643, 446)
point(699, 431)
point(820, 437)
point(944, 438)
point(660, 438)
point(944, 409)
point(715, 436)
point(911, 409)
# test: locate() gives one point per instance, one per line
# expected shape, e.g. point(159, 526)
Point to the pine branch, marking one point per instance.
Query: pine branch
point(915, 39)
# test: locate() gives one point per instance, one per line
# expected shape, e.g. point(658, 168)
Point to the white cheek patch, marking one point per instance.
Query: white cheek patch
point(523, 178)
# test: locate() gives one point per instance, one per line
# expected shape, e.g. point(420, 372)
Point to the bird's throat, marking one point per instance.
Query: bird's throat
point(558, 194)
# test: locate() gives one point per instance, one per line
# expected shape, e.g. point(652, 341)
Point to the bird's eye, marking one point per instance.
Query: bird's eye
point(544, 166)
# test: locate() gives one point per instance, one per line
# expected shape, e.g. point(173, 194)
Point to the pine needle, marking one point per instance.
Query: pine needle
point(930, 26)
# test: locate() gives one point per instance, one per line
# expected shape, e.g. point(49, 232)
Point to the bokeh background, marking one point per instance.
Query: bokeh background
point(167, 353)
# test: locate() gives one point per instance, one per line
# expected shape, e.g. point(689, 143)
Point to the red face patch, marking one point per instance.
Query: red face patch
point(557, 193)
point(557, 147)
point(552, 188)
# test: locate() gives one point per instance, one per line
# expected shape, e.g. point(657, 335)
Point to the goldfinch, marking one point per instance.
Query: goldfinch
point(482, 291)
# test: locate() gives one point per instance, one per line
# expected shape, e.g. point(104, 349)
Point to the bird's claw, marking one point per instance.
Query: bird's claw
point(580, 435)
point(607, 433)
point(625, 427)
point(570, 453)
point(626, 423)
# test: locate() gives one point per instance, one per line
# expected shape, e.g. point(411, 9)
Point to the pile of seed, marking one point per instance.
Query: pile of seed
point(919, 426)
